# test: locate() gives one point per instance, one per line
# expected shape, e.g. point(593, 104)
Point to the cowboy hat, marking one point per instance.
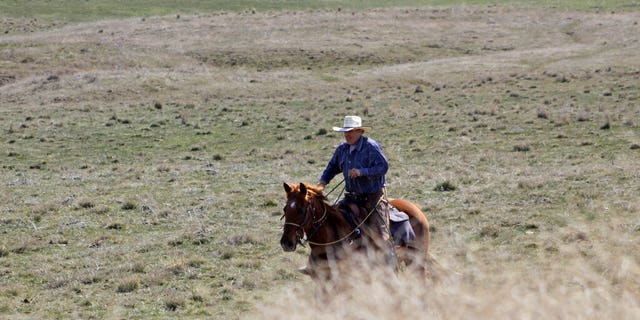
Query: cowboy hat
point(351, 123)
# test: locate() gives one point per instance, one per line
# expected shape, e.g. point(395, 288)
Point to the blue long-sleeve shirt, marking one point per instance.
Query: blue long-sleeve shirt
point(367, 156)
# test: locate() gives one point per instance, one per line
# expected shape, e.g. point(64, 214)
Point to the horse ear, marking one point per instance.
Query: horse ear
point(303, 188)
point(287, 187)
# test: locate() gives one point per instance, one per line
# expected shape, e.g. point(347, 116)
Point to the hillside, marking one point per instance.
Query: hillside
point(143, 158)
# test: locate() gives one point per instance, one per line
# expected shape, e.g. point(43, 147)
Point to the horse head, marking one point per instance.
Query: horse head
point(295, 216)
point(304, 212)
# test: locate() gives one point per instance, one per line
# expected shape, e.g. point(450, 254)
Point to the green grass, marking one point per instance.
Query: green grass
point(141, 176)
point(88, 10)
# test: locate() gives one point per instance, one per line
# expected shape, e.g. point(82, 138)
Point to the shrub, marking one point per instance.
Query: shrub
point(115, 226)
point(543, 114)
point(86, 204)
point(128, 285)
point(129, 205)
point(173, 303)
point(445, 186)
point(138, 267)
point(270, 203)
point(521, 148)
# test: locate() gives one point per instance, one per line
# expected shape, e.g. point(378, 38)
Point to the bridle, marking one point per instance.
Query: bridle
point(300, 233)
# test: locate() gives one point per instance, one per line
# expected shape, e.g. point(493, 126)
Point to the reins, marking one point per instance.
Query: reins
point(307, 237)
point(339, 194)
point(318, 223)
point(305, 240)
point(343, 238)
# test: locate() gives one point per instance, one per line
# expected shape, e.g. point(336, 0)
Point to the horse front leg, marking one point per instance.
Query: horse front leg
point(318, 267)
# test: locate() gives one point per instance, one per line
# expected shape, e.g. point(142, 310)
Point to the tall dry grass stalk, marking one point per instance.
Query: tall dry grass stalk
point(575, 289)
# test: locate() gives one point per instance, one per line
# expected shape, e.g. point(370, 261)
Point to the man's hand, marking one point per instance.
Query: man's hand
point(322, 184)
point(354, 173)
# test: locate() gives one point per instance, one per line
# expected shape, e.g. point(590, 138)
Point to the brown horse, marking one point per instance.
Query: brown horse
point(307, 213)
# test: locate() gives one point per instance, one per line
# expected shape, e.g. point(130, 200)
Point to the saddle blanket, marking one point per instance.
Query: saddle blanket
point(401, 229)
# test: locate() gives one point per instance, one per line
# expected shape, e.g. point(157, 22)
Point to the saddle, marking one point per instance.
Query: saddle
point(355, 211)
point(401, 230)
point(400, 227)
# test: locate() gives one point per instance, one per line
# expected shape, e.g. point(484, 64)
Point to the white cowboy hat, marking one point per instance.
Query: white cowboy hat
point(351, 123)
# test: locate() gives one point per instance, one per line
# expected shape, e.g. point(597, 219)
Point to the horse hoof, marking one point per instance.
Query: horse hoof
point(306, 270)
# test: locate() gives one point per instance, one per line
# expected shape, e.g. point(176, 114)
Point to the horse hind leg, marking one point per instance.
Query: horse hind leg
point(415, 260)
point(424, 264)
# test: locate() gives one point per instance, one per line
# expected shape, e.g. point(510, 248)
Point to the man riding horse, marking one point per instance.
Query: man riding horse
point(363, 164)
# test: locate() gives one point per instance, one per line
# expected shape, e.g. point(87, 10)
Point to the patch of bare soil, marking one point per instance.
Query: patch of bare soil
point(4, 79)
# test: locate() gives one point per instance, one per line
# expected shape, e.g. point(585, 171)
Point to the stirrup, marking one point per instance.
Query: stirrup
point(357, 233)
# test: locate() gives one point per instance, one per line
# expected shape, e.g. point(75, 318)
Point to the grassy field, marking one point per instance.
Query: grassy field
point(144, 152)
point(35, 15)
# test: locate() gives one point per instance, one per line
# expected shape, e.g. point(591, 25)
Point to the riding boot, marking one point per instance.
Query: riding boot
point(384, 232)
point(350, 217)
point(380, 221)
point(391, 261)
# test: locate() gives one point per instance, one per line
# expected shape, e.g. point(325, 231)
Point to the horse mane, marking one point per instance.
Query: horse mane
point(315, 194)
point(333, 213)
point(316, 191)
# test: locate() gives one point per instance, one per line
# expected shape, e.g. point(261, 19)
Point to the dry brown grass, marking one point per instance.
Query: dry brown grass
point(215, 59)
point(588, 282)
point(143, 160)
